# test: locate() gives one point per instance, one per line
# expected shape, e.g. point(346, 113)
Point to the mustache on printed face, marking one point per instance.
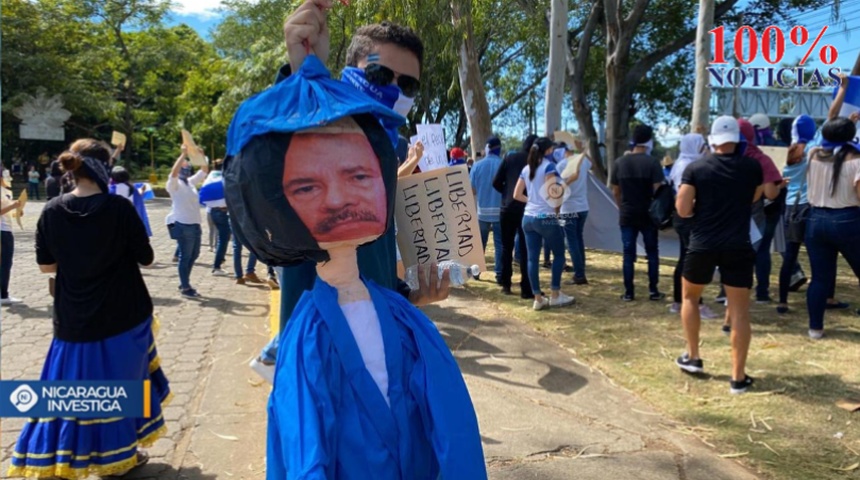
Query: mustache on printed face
point(345, 216)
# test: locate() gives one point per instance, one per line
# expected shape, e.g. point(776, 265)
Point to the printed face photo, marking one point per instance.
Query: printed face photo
point(334, 183)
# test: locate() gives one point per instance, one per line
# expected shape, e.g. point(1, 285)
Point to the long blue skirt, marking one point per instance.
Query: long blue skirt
point(76, 448)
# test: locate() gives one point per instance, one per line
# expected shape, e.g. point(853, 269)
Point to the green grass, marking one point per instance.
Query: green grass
point(798, 379)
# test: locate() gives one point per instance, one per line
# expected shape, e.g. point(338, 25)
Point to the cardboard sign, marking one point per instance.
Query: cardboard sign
point(435, 154)
point(19, 212)
point(117, 139)
point(195, 155)
point(437, 218)
point(566, 137)
point(572, 164)
point(779, 155)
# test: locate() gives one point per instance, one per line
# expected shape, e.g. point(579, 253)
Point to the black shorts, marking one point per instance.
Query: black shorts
point(736, 267)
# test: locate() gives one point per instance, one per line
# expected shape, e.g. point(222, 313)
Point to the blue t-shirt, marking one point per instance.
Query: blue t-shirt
point(537, 188)
point(489, 199)
point(796, 174)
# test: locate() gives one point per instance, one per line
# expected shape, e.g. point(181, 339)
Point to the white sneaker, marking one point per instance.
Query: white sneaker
point(540, 305)
point(10, 301)
point(267, 372)
point(675, 307)
point(218, 272)
point(816, 334)
point(706, 312)
point(561, 300)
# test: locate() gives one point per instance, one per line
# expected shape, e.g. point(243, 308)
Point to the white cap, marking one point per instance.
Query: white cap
point(760, 121)
point(725, 130)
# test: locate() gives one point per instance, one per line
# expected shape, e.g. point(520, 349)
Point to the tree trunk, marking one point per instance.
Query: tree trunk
point(702, 94)
point(555, 76)
point(617, 119)
point(577, 59)
point(471, 81)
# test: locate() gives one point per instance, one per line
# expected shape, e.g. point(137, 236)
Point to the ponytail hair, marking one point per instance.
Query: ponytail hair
point(534, 160)
point(72, 160)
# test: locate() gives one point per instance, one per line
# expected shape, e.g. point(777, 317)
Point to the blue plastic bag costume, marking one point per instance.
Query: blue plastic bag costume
point(329, 416)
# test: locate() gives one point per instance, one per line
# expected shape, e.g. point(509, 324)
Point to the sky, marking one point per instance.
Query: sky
point(201, 15)
point(844, 35)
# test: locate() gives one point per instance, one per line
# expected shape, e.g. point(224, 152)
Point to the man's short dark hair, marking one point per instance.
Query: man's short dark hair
point(368, 37)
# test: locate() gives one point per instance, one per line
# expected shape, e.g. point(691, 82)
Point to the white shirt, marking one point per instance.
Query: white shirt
point(819, 183)
point(536, 189)
point(5, 199)
point(186, 203)
point(364, 324)
point(124, 191)
point(578, 200)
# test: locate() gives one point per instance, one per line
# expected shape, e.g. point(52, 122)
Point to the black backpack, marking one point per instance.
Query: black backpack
point(662, 206)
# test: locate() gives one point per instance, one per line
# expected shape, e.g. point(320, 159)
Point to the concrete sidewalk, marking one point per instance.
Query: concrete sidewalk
point(542, 414)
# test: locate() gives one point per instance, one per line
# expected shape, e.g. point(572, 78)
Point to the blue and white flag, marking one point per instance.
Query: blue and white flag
point(212, 192)
point(852, 97)
point(145, 189)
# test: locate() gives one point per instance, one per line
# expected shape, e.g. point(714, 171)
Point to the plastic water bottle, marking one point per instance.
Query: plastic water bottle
point(458, 274)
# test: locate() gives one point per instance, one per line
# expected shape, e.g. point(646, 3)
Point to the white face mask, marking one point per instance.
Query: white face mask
point(403, 104)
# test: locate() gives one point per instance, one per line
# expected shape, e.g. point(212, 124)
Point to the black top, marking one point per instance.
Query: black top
point(52, 186)
point(97, 243)
point(636, 174)
point(506, 179)
point(725, 188)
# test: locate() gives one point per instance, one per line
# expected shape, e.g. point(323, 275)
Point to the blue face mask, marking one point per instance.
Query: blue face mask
point(388, 95)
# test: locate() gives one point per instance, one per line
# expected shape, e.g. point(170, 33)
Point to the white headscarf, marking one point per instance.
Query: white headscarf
point(692, 149)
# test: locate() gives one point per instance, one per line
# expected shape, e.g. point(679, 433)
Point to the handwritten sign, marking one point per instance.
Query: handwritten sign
point(19, 212)
point(435, 155)
point(117, 139)
point(437, 219)
point(194, 153)
point(572, 166)
point(779, 155)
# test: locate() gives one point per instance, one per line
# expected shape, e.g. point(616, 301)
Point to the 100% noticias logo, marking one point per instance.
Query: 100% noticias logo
point(772, 45)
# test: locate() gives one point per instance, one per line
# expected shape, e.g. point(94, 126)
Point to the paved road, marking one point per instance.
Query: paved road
point(204, 344)
point(542, 414)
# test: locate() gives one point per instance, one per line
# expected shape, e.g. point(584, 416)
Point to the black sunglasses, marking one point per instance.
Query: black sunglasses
point(381, 75)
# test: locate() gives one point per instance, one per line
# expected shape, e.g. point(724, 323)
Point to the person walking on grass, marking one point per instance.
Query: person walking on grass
point(489, 201)
point(635, 178)
point(184, 220)
point(574, 210)
point(693, 148)
point(540, 221)
point(717, 193)
point(834, 221)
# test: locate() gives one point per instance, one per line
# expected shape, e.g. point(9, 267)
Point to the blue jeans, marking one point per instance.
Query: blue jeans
point(188, 239)
point(7, 249)
point(33, 190)
point(629, 235)
point(496, 227)
point(237, 260)
point(222, 223)
point(829, 232)
point(538, 230)
point(762, 258)
point(574, 224)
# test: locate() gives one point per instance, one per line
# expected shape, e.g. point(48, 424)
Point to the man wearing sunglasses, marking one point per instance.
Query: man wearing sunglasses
point(383, 61)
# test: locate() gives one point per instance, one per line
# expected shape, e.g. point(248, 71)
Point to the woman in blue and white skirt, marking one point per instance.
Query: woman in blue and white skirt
point(103, 324)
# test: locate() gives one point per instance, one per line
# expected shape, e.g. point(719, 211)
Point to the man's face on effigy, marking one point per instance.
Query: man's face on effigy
point(334, 183)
